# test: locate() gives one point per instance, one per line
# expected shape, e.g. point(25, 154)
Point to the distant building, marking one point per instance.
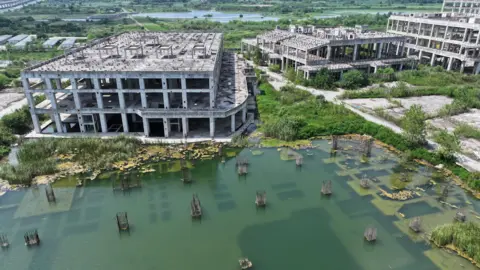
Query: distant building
point(51, 42)
point(67, 43)
point(445, 39)
point(336, 49)
point(17, 38)
point(4, 39)
point(471, 7)
point(14, 3)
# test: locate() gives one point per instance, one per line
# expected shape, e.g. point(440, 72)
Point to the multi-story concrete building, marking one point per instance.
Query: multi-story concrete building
point(461, 6)
point(447, 39)
point(336, 49)
point(148, 83)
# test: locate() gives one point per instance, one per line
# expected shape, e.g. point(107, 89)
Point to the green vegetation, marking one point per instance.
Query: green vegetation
point(354, 79)
point(40, 157)
point(449, 145)
point(464, 89)
point(414, 125)
point(294, 114)
point(465, 237)
point(467, 131)
point(274, 68)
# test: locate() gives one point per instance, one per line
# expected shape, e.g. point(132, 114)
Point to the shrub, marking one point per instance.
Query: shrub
point(414, 126)
point(354, 79)
point(19, 122)
point(274, 68)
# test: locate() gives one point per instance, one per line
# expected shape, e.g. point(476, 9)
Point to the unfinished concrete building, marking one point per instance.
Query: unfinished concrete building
point(446, 39)
point(461, 6)
point(149, 84)
point(336, 49)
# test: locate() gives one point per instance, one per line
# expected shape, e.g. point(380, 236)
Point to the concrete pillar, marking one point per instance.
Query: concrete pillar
point(121, 100)
point(355, 52)
point(478, 38)
point(232, 123)
point(146, 126)
point(31, 103)
point(446, 31)
point(375, 69)
point(397, 52)
point(244, 114)
point(212, 99)
point(185, 126)
point(432, 61)
point(379, 50)
point(166, 102)
point(329, 52)
point(450, 62)
point(401, 67)
point(125, 123)
point(103, 122)
point(58, 84)
point(143, 97)
point(99, 100)
point(477, 68)
point(462, 66)
point(96, 84)
point(420, 55)
point(58, 122)
point(212, 127)
point(184, 99)
point(166, 127)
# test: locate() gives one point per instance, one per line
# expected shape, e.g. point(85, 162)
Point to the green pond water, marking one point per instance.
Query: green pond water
point(299, 229)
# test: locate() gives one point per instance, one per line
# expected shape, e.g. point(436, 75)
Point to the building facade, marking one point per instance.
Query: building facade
point(335, 49)
point(461, 6)
point(147, 83)
point(447, 39)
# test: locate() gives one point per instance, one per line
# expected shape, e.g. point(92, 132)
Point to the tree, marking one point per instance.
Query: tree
point(257, 56)
point(354, 79)
point(449, 144)
point(4, 81)
point(414, 125)
point(322, 80)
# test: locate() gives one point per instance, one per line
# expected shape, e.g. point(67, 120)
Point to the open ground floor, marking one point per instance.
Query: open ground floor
point(147, 126)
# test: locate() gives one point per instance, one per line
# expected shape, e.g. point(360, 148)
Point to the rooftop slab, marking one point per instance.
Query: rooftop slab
point(141, 51)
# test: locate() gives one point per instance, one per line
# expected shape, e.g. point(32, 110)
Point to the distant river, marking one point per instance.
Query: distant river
point(215, 16)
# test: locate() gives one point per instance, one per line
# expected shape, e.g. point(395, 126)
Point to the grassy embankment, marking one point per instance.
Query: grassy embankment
point(463, 238)
point(41, 157)
point(295, 114)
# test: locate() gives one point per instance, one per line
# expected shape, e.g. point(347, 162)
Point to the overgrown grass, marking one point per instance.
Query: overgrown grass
point(464, 236)
point(467, 131)
point(293, 118)
point(39, 157)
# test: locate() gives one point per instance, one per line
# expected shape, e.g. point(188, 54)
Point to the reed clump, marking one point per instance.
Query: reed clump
point(462, 237)
point(41, 157)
